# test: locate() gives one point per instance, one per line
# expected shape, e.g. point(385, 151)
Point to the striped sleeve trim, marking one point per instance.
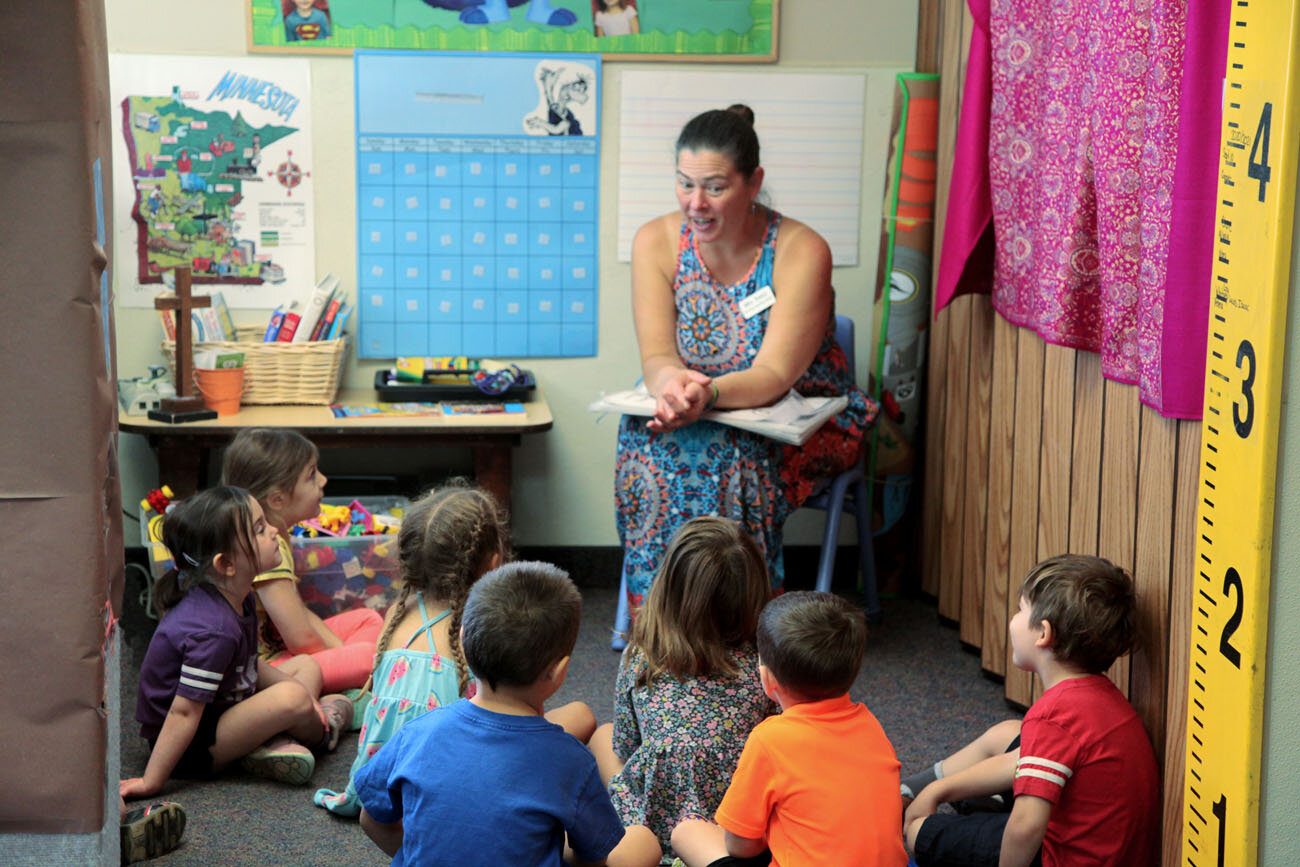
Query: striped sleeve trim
point(1042, 775)
point(199, 684)
point(201, 678)
point(203, 673)
point(1043, 769)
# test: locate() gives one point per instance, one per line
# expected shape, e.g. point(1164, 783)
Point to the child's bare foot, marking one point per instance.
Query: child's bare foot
point(281, 759)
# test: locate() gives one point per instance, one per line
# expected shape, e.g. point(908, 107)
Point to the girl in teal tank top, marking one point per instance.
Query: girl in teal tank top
point(448, 539)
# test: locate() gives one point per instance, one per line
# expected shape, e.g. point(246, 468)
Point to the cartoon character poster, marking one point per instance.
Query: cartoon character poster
point(214, 166)
point(740, 30)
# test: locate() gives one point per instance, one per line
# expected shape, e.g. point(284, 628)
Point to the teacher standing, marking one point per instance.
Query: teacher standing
point(733, 307)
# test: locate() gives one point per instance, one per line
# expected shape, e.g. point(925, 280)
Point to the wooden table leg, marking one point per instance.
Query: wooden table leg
point(492, 470)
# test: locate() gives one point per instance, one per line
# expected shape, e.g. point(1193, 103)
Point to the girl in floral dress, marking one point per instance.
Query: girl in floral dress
point(449, 539)
point(687, 691)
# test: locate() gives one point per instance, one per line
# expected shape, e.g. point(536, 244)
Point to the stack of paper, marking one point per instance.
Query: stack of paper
point(792, 419)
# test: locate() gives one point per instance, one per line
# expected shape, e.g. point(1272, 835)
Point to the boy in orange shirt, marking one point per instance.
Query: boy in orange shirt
point(817, 784)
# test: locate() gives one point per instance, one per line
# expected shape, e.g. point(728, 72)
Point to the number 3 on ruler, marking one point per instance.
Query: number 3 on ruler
point(1245, 352)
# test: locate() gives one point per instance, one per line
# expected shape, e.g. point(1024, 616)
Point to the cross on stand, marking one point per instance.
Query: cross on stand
point(186, 405)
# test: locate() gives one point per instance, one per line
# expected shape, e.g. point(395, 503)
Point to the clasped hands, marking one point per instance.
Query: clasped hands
point(681, 398)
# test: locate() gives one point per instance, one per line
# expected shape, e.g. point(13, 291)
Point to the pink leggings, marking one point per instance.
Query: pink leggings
point(347, 666)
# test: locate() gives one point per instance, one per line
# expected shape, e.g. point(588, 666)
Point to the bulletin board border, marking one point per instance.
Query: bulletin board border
point(729, 47)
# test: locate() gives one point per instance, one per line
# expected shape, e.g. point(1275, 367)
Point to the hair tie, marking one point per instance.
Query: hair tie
point(190, 560)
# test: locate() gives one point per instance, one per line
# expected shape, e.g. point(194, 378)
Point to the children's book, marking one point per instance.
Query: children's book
point(792, 419)
point(384, 410)
point(327, 319)
point(227, 325)
point(481, 408)
point(168, 319)
point(340, 319)
point(316, 304)
point(207, 324)
point(289, 324)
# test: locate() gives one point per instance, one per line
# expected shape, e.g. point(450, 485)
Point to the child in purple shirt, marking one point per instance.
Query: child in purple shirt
point(205, 699)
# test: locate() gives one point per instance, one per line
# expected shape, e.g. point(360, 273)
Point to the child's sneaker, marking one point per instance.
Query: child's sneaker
point(148, 832)
point(281, 759)
point(338, 715)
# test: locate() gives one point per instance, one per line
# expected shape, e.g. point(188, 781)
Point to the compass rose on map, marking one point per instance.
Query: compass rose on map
point(289, 174)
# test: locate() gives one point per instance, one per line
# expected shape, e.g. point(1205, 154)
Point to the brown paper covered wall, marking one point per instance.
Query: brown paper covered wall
point(60, 501)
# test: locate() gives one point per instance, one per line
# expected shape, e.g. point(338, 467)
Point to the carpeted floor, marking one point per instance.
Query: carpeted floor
point(926, 691)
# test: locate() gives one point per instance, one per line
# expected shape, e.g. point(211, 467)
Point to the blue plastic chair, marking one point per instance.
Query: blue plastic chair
point(843, 493)
point(847, 492)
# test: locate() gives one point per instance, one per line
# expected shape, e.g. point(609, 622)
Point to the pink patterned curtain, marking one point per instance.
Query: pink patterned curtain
point(1095, 153)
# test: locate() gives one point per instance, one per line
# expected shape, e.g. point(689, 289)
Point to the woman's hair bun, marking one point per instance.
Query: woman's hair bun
point(743, 110)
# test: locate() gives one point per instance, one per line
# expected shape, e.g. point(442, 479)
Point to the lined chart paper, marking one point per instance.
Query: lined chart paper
point(809, 131)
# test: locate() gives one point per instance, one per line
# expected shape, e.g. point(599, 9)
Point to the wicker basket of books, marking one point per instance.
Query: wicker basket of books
point(278, 372)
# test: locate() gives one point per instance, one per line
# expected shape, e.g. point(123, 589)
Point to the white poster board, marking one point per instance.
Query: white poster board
point(212, 169)
point(809, 129)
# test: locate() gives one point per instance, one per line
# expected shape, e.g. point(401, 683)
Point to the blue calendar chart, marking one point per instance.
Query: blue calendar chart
point(477, 203)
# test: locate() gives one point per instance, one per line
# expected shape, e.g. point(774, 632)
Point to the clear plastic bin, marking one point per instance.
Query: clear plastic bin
point(336, 573)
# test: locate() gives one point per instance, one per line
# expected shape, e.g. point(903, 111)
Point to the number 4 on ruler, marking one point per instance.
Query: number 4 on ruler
point(1259, 171)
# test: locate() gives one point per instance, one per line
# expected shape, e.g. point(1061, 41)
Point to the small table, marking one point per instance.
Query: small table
point(183, 449)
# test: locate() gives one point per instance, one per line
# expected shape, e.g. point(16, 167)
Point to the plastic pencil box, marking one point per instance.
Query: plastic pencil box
point(447, 385)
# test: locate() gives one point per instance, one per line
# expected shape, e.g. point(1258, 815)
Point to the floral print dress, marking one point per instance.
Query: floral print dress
point(680, 740)
point(407, 684)
point(662, 480)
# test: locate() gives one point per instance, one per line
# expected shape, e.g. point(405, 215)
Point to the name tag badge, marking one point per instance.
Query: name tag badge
point(757, 302)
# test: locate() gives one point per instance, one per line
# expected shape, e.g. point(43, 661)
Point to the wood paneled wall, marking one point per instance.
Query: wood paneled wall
point(1030, 453)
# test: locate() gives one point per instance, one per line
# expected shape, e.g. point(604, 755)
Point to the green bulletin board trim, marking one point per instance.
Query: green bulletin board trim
point(758, 44)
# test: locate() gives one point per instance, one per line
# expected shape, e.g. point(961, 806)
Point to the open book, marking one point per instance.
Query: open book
point(792, 419)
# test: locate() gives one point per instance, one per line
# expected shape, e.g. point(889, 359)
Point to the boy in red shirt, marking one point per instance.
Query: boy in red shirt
point(817, 784)
point(1081, 767)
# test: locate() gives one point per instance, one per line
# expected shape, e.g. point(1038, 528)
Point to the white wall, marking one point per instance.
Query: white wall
point(563, 492)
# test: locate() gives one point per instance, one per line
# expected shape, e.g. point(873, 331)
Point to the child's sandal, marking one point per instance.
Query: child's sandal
point(282, 760)
point(150, 831)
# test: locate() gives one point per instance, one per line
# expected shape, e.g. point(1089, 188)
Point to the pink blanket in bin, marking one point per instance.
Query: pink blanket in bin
point(1089, 139)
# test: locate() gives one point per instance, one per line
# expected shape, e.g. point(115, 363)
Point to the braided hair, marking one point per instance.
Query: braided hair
point(446, 537)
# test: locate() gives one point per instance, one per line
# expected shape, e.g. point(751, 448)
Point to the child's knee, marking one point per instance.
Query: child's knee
point(304, 663)
point(910, 834)
point(681, 832)
point(583, 719)
point(576, 719)
point(693, 832)
point(1004, 733)
point(293, 699)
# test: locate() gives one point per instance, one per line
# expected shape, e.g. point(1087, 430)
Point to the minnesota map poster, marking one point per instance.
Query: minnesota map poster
point(213, 170)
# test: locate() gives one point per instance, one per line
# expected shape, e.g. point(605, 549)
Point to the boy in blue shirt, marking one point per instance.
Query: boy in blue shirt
point(487, 780)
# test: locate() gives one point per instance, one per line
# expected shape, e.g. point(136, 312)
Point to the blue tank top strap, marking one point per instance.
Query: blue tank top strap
point(424, 615)
point(762, 275)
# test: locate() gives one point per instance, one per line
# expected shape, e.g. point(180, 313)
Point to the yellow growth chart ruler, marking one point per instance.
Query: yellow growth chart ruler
point(1239, 433)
